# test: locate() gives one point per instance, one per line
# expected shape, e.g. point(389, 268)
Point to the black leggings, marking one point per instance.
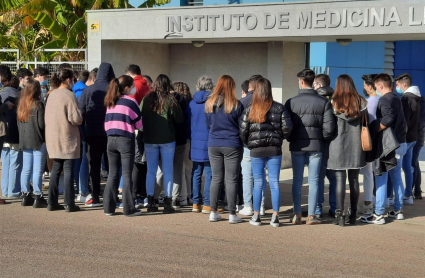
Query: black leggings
point(353, 180)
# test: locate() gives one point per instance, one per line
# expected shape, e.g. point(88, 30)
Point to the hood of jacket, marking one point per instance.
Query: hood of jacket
point(350, 119)
point(325, 91)
point(9, 92)
point(201, 96)
point(105, 73)
point(414, 90)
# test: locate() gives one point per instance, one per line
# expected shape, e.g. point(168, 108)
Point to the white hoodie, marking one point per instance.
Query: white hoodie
point(413, 90)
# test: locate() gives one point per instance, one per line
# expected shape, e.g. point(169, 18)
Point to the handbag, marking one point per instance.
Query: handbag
point(365, 135)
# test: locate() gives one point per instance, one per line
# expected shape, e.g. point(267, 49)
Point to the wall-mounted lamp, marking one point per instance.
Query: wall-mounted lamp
point(198, 43)
point(344, 42)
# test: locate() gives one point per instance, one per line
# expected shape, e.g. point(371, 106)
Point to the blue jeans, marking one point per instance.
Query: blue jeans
point(167, 156)
point(416, 169)
point(197, 170)
point(81, 171)
point(248, 179)
point(11, 172)
point(313, 161)
point(381, 184)
point(33, 167)
point(408, 168)
point(273, 164)
point(330, 174)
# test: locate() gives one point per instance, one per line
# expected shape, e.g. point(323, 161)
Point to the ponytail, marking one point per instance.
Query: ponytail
point(116, 90)
point(55, 81)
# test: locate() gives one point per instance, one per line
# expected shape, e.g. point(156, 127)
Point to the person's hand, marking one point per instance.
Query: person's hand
point(9, 104)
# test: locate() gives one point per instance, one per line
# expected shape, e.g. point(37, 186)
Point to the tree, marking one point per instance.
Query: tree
point(62, 22)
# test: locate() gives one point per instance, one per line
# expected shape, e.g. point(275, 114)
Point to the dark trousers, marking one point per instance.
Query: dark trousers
point(230, 159)
point(240, 188)
point(140, 171)
point(67, 165)
point(417, 179)
point(353, 180)
point(120, 153)
point(96, 146)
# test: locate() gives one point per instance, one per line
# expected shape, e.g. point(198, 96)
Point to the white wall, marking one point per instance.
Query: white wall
point(151, 57)
point(239, 60)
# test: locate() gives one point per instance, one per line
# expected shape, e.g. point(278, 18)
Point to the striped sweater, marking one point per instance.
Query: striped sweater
point(123, 118)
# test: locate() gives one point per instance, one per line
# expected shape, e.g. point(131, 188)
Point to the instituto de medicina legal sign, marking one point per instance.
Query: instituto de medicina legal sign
point(315, 19)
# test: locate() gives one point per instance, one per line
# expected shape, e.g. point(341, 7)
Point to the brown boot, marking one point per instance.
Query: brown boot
point(206, 209)
point(196, 208)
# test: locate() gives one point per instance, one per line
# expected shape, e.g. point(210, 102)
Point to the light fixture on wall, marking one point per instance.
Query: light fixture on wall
point(198, 43)
point(344, 42)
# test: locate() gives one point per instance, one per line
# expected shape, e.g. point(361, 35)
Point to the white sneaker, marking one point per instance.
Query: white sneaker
point(368, 210)
point(246, 211)
point(89, 197)
point(391, 201)
point(214, 217)
point(374, 219)
point(234, 219)
point(239, 208)
point(408, 201)
point(81, 198)
point(262, 211)
point(396, 214)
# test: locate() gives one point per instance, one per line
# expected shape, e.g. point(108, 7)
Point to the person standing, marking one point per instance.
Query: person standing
point(225, 148)
point(31, 127)
point(197, 128)
point(313, 123)
point(79, 87)
point(264, 125)
point(322, 84)
point(91, 104)
point(123, 117)
point(247, 175)
point(62, 119)
point(41, 74)
point(411, 101)
point(416, 151)
point(24, 75)
point(142, 86)
point(160, 113)
point(346, 155)
point(9, 141)
point(390, 114)
point(369, 90)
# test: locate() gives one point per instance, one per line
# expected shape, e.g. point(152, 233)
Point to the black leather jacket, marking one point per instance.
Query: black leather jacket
point(265, 139)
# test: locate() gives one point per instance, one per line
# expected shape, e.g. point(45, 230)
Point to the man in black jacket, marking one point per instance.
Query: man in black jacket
point(91, 104)
point(410, 99)
point(390, 115)
point(416, 151)
point(322, 85)
point(313, 123)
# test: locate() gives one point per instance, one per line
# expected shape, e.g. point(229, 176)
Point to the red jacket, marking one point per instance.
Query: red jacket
point(142, 88)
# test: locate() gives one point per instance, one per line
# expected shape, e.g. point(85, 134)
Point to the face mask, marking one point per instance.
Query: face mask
point(43, 83)
point(299, 85)
point(379, 94)
point(399, 91)
point(133, 91)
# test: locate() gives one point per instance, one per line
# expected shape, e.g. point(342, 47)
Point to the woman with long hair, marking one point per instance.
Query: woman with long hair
point(346, 155)
point(32, 142)
point(182, 163)
point(225, 148)
point(62, 119)
point(161, 113)
point(123, 117)
point(263, 127)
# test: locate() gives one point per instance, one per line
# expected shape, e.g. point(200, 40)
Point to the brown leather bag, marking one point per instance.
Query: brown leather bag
point(365, 135)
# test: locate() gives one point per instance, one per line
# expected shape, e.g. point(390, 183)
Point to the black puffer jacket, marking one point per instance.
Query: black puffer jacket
point(421, 131)
point(326, 92)
point(265, 139)
point(412, 109)
point(313, 121)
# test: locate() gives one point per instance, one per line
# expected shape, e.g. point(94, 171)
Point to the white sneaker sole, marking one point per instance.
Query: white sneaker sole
point(246, 214)
point(93, 205)
point(276, 225)
point(109, 214)
point(214, 220)
point(255, 223)
point(235, 221)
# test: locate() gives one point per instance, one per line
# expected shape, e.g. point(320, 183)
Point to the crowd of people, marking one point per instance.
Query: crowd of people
point(145, 135)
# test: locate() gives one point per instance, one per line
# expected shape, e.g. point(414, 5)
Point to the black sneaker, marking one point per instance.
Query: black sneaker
point(27, 200)
point(168, 208)
point(175, 204)
point(331, 214)
point(256, 220)
point(40, 202)
point(55, 207)
point(134, 213)
point(418, 195)
point(275, 221)
point(72, 208)
point(152, 207)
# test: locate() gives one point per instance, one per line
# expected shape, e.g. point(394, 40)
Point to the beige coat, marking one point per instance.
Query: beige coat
point(62, 120)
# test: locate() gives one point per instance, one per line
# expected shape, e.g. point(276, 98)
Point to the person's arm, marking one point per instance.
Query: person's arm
point(387, 113)
point(328, 121)
point(244, 126)
point(286, 124)
point(40, 117)
point(74, 114)
point(82, 103)
point(137, 121)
